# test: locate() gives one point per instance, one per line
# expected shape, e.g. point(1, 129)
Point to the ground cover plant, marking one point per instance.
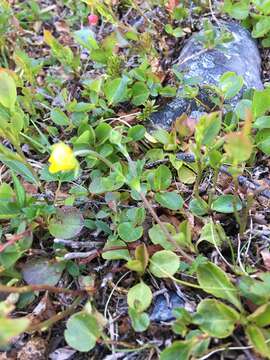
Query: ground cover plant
point(119, 241)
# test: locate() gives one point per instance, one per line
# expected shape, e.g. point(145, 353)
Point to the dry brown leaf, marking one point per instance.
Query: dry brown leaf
point(43, 311)
point(266, 258)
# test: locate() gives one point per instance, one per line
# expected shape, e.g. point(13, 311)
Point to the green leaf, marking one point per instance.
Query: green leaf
point(67, 223)
point(257, 339)
point(86, 38)
point(164, 264)
point(262, 122)
point(225, 204)
point(139, 321)
point(266, 42)
point(262, 27)
point(135, 265)
point(128, 232)
point(136, 132)
point(158, 237)
point(230, 84)
point(139, 297)
point(8, 92)
point(59, 117)
point(20, 168)
point(242, 107)
point(262, 6)
point(184, 236)
point(162, 136)
point(238, 10)
point(199, 348)
point(8, 210)
point(180, 350)
point(140, 93)
point(120, 254)
point(101, 185)
point(168, 91)
point(215, 318)
point(162, 178)
point(198, 207)
point(82, 331)
point(103, 132)
point(213, 234)
point(238, 147)
point(9, 328)
point(6, 192)
point(186, 175)
point(207, 129)
point(19, 190)
point(263, 141)
point(261, 102)
point(176, 32)
point(257, 290)
point(215, 281)
point(170, 200)
point(86, 138)
point(141, 255)
point(261, 316)
point(116, 90)
point(136, 215)
point(42, 272)
point(183, 319)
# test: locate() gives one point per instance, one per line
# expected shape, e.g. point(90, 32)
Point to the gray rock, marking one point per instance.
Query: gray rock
point(164, 306)
point(240, 55)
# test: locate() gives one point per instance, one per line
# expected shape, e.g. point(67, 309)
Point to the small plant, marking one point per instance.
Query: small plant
point(111, 230)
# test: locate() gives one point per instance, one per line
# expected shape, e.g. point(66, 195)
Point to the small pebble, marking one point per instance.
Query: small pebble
point(163, 309)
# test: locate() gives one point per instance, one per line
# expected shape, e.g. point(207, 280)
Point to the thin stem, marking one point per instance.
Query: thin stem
point(164, 229)
point(212, 191)
point(48, 323)
point(32, 288)
point(57, 191)
point(245, 213)
point(235, 211)
point(96, 155)
point(198, 180)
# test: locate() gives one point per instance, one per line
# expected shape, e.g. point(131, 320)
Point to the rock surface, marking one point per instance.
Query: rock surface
point(240, 55)
point(164, 306)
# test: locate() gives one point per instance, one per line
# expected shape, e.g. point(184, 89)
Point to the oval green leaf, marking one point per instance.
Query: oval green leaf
point(67, 223)
point(215, 281)
point(225, 204)
point(164, 264)
point(170, 200)
point(139, 297)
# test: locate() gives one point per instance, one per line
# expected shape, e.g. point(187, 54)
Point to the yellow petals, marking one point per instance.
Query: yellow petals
point(62, 158)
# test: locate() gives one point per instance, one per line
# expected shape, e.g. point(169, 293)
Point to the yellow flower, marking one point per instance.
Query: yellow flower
point(62, 158)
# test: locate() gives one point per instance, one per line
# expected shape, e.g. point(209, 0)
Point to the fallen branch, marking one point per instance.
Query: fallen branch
point(32, 288)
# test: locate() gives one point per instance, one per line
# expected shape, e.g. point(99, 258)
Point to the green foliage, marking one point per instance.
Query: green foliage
point(255, 13)
point(67, 223)
point(214, 281)
point(139, 297)
point(82, 331)
point(164, 264)
point(95, 87)
point(226, 204)
point(9, 328)
point(216, 318)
